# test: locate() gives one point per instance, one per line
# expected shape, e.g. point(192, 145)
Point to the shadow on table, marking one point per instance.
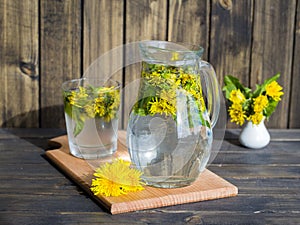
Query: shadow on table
point(232, 136)
point(37, 126)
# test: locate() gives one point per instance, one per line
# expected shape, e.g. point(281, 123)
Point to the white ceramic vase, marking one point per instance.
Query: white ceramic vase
point(254, 136)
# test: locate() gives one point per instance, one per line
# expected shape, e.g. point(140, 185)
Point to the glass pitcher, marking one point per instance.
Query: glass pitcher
point(169, 132)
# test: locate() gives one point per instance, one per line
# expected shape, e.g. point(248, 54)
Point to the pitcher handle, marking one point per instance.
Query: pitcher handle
point(212, 91)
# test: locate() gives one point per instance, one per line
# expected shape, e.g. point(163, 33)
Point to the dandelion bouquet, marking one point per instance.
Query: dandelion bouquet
point(253, 106)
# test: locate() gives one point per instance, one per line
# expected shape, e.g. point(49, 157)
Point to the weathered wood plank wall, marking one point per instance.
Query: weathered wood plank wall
point(19, 63)
point(45, 42)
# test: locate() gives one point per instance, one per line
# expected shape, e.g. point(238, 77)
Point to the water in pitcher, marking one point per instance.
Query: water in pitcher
point(167, 157)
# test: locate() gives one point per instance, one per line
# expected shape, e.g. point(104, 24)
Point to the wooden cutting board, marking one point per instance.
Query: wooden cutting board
point(207, 187)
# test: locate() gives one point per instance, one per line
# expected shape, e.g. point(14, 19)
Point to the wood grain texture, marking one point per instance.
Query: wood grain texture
point(272, 50)
point(33, 191)
point(102, 30)
point(45, 42)
point(19, 69)
point(144, 20)
point(60, 40)
point(230, 39)
point(207, 187)
point(294, 121)
point(188, 22)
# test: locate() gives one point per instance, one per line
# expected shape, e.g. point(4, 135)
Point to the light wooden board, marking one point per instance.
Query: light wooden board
point(207, 187)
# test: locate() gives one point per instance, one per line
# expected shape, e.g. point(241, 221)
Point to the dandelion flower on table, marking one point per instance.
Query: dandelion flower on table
point(116, 178)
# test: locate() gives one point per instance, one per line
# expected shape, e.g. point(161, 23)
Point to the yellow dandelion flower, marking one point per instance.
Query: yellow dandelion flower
point(145, 74)
point(156, 107)
point(171, 77)
point(168, 95)
point(161, 106)
point(274, 91)
point(170, 109)
point(237, 114)
point(256, 118)
point(115, 102)
point(110, 114)
point(105, 89)
point(178, 82)
point(72, 98)
point(260, 103)
point(195, 93)
point(82, 93)
point(156, 80)
point(78, 98)
point(99, 109)
point(203, 106)
point(90, 110)
point(237, 97)
point(160, 68)
point(155, 73)
point(169, 81)
point(107, 104)
point(116, 178)
point(100, 99)
point(184, 78)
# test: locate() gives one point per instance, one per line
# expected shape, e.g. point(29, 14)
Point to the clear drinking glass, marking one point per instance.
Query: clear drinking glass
point(91, 111)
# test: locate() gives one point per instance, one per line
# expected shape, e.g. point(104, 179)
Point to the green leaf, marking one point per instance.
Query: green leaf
point(79, 124)
point(232, 83)
point(140, 112)
point(68, 109)
point(270, 108)
point(78, 119)
point(262, 88)
point(271, 79)
point(257, 91)
point(207, 124)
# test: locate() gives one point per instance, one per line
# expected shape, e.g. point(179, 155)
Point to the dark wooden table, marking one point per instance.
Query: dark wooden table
point(33, 191)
